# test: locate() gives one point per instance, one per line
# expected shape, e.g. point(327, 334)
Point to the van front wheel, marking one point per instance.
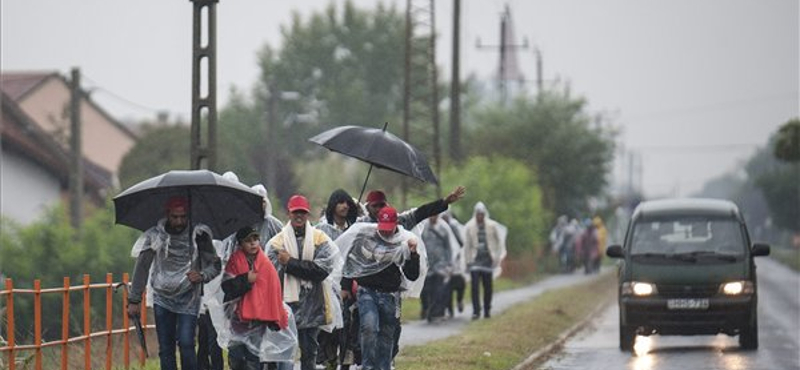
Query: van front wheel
point(627, 337)
point(748, 336)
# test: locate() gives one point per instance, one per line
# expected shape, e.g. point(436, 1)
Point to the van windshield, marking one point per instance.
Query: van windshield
point(688, 236)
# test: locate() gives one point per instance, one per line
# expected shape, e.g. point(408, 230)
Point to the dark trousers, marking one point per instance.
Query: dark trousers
point(209, 354)
point(434, 297)
point(175, 329)
point(457, 286)
point(481, 278)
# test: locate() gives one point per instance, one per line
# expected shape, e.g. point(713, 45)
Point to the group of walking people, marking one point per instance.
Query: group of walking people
point(329, 292)
point(579, 244)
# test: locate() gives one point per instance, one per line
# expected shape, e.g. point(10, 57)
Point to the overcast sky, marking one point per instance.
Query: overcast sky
point(695, 86)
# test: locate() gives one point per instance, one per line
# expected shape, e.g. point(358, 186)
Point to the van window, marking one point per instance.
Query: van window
point(687, 235)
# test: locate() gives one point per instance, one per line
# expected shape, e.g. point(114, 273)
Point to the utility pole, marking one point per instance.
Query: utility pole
point(421, 95)
point(508, 67)
point(455, 87)
point(76, 155)
point(204, 147)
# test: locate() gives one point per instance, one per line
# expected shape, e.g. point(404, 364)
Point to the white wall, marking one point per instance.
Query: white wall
point(26, 189)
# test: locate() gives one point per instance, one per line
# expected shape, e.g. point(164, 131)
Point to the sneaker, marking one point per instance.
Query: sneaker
point(460, 307)
point(476, 316)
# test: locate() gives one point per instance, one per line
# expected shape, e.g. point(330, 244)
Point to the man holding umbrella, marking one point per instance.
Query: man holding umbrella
point(166, 256)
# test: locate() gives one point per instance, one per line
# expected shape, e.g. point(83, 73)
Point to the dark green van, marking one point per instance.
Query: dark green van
point(687, 269)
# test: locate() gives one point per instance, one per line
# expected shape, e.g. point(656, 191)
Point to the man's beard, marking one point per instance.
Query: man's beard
point(175, 230)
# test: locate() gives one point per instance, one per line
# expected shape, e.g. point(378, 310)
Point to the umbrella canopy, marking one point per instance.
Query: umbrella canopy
point(221, 204)
point(379, 148)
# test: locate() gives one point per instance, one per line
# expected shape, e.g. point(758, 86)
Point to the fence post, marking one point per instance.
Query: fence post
point(87, 325)
point(12, 361)
point(37, 322)
point(126, 344)
point(109, 317)
point(65, 326)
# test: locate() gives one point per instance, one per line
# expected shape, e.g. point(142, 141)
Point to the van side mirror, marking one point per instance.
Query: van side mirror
point(759, 249)
point(615, 251)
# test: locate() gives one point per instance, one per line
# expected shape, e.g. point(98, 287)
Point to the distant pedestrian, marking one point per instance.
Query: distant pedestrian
point(484, 251)
point(439, 245)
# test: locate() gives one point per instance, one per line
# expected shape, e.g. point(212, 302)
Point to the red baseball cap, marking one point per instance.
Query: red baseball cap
point(298, 203)
point(387, 219)
point(376, 196)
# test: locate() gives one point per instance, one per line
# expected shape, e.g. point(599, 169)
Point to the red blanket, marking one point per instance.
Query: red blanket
point(264, 301)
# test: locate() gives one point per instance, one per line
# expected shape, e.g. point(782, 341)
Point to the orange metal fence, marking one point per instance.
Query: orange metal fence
point(11, 349)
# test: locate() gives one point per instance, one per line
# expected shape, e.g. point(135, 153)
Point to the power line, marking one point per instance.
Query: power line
point(97, 88)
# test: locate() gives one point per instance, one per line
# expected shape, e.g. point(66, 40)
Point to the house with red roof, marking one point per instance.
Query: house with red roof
point(34, 138)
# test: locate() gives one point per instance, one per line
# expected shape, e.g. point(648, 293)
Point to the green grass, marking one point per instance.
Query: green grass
point(787, 256)
point(509, 338)
point(412, 306)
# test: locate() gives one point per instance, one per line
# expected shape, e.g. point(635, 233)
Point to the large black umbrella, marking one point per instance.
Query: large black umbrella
point(378, 148)
point(223, 205)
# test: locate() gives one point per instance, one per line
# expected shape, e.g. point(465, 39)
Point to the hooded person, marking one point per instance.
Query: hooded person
point(256, 327)
point(340, 213)
point(383, 258)
point(458, 280)
point(308, 262)
point(271, 225)
point(484, 251)
point(440, 245)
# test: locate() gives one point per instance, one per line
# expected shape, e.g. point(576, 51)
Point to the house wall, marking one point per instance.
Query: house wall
point(26, 189)
point(103, 142)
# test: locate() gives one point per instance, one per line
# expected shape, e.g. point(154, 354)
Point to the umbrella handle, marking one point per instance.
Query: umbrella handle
point(364, 187)
point(365, 184)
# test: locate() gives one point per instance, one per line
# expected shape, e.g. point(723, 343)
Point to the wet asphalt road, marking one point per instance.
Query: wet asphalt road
point(597, 348)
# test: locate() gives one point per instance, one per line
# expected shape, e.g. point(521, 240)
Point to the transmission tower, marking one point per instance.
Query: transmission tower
point(421, 95)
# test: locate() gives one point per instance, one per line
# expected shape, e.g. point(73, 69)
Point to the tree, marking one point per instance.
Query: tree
point(161, 148)
point(787, 143)
point(553, 137)
point(338, 67)
point(778, 182)
point(510, 190)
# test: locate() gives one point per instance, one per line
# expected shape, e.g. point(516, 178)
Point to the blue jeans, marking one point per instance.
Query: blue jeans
point(307, 340)
point(378, 315)
point(175, 328)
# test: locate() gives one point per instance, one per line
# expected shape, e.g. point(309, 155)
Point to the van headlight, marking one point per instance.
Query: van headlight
point(737, 288)
point(639, 289)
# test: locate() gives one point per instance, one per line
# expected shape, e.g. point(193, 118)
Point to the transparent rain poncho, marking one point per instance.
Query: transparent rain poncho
point(260, 340)
point(318, 305)
point(168, 286)
point(367, 252)
point(497, 250)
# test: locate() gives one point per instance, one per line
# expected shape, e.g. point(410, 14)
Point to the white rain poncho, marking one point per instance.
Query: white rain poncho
point(445, 262)
point(268, 345)
point(317, 305)
point(496, 247)
point(168, 284)
point(366, 252)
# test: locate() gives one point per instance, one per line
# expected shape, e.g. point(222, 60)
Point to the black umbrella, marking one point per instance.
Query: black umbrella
point(378, 148)
point(221, 204)
point(140, 333)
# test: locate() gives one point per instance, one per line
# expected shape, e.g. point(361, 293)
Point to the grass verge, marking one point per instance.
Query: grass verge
point(787, 256)
point(509, 338)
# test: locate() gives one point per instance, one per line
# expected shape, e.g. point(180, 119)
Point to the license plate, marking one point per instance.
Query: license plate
point(688, 304)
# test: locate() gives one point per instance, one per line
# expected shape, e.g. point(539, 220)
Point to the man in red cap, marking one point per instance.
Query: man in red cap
point(376, 200)
point(167, 255)
point(304, 257)
point(382, 258)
